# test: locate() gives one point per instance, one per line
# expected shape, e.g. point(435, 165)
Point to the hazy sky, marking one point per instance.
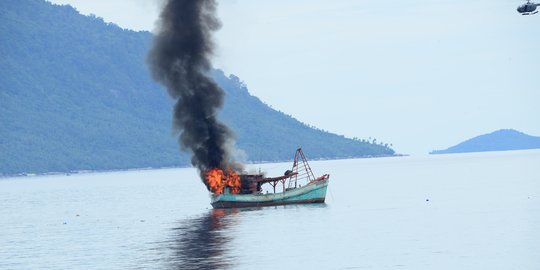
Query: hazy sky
point(419, 74)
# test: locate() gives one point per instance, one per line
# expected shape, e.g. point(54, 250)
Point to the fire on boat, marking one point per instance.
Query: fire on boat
point(297, 186)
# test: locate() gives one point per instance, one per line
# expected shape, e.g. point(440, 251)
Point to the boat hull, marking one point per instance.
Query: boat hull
point(314, 192)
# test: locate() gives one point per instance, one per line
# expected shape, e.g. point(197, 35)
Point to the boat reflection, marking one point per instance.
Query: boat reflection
point(203, 242)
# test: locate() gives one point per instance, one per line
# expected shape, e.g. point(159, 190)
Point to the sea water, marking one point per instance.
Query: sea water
point(461, 211)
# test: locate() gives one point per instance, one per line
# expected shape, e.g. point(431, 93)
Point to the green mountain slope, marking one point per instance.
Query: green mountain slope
point(75, 94)
point(500, 140)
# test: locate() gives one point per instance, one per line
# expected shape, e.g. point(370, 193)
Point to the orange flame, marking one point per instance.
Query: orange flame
point(233, 181)
point(217, 181)
point(214, 178)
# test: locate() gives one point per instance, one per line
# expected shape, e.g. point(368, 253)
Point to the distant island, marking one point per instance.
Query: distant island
point(76, 95)
point(500, 140)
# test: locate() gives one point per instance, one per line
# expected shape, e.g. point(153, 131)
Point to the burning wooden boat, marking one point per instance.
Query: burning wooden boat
point(298, 185)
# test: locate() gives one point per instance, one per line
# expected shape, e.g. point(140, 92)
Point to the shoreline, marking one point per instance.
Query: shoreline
point(67, 173)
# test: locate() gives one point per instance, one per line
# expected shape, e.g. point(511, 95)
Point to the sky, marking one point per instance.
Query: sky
point(421, 75)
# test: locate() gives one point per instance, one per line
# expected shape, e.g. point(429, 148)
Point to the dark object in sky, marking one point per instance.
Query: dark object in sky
point(180, 60)
point(528, 8)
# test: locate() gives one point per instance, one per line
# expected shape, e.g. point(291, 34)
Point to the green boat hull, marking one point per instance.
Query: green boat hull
point(314, 192)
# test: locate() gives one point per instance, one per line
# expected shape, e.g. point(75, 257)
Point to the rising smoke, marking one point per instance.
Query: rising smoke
point(180, 60)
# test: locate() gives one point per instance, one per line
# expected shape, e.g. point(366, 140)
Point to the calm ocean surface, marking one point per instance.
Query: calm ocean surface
point(463, 211)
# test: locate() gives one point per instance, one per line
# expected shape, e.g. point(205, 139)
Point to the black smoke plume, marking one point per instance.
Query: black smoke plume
point(180, 60)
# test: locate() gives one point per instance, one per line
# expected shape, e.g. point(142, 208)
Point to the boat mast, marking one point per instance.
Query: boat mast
point(301, 168)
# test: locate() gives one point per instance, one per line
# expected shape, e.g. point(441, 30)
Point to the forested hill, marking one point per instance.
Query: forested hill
point(75, 94)
point(500, 140)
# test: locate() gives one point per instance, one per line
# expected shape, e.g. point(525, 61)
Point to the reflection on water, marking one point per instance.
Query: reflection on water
point(203, 242)
point(377, 217)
